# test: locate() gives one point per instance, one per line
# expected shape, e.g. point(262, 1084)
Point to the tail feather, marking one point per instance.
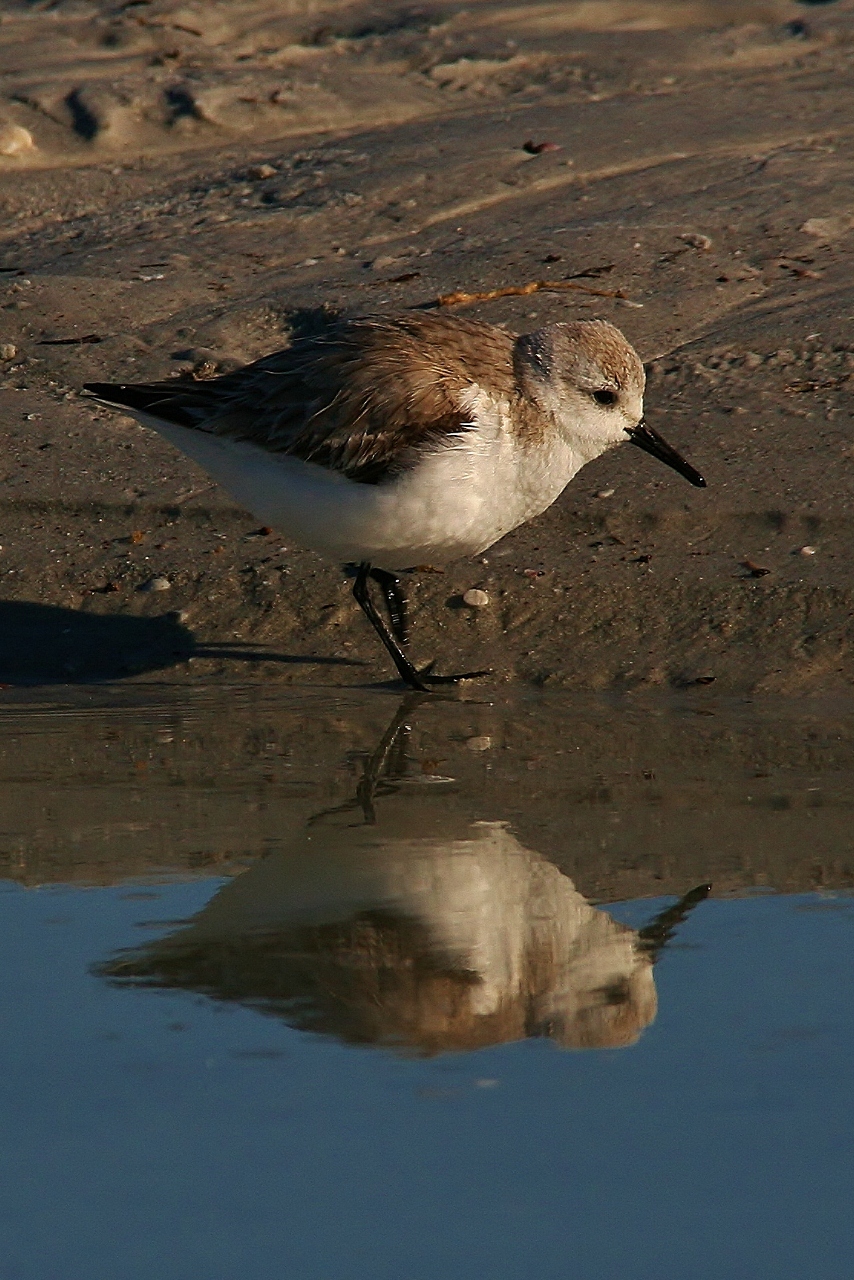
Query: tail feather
point(186, 405)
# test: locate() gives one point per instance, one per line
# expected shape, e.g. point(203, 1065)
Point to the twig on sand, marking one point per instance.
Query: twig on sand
point(461, 298)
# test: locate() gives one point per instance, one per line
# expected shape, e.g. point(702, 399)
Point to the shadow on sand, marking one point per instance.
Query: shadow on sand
point(45, 644)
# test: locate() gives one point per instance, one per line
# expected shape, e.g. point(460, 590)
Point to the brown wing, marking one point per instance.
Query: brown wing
point(364, 399)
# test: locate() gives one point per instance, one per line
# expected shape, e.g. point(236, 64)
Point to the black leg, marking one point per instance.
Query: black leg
point(363, 598)
point(421, 680)
point(395, 601)
point(388, 759)
point(386, 766)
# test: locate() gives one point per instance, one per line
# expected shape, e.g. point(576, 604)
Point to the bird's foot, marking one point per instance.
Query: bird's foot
point(428, 678)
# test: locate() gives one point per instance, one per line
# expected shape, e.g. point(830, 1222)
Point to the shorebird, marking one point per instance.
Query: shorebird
point(390, 442)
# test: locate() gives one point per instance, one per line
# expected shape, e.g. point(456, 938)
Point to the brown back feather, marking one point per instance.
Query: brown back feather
point(364, 399)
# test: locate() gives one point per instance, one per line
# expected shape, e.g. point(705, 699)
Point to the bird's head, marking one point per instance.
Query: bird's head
point(590, 380)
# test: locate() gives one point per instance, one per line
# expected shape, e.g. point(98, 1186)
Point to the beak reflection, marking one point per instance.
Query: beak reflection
point(650, 441)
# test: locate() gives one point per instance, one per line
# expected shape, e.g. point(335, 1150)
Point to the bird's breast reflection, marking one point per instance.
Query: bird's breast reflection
point(427, 942)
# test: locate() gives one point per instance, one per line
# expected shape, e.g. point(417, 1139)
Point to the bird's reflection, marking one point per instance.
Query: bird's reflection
point(410, 932)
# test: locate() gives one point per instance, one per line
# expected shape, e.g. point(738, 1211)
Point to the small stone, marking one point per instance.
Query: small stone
point(476, 599)
point(538, 148)
point(260, 171)
point(479, 742)
point(697, 240)
point(807, 551)
point(605, 493)
point(156, 584)
point(384, 261)
point(752, 360)
point(15, 140)
point(830, 228)
point(8, 351)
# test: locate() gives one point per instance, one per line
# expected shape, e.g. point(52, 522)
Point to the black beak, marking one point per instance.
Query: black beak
point(651, 442)
point(654, 936)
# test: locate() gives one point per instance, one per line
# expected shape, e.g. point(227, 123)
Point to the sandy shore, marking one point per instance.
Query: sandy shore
point(183, 186)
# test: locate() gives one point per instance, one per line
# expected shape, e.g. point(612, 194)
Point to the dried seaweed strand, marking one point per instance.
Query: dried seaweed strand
point(462, 299)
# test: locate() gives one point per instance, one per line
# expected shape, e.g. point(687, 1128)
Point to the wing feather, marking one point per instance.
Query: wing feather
point(366, 398)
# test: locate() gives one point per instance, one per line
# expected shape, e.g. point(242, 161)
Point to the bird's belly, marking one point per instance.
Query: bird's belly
point(449, 505)
point(460, 500)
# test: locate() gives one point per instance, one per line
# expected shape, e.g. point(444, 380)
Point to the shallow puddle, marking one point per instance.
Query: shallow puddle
point(344, 986)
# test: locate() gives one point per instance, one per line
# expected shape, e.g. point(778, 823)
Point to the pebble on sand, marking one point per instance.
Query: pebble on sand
point(475, 598)
point(830, 228)
point(8, 351)
point(15, 140)
point(156, 584)
point(807, 551)
point(260, 171)
point(697, 240)
point(479, 742)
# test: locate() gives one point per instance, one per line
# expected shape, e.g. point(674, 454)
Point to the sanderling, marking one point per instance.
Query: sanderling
point(395, 441)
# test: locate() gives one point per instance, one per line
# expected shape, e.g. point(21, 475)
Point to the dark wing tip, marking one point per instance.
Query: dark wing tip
point(123, 393)
point(103, 389)
point(158, 400)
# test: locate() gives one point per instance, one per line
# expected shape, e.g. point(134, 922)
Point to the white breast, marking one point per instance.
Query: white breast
point(455, 502)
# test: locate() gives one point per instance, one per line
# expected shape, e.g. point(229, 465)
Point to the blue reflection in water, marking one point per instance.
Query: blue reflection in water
point(162, 1133)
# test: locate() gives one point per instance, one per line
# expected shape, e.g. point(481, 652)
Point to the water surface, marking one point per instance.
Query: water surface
point(342, 987)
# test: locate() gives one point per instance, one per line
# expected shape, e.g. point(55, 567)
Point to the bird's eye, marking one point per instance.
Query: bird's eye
point(604, 396)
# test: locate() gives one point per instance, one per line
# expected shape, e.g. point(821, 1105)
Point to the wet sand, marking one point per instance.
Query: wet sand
point(629, 797)
point(183, 186)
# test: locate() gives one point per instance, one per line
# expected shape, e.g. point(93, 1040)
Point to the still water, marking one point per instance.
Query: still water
point(344, 988)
